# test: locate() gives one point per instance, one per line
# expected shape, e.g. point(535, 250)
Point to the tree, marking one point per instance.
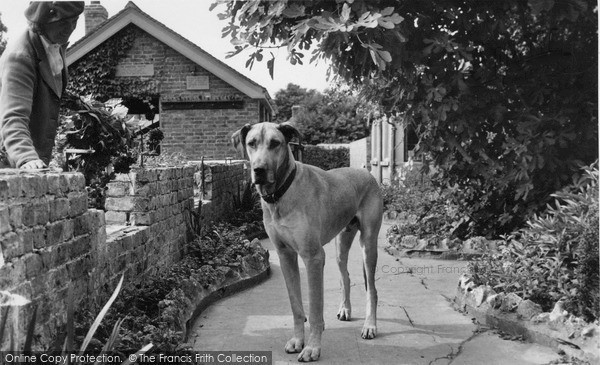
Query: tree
point(286, 99)
point(502, 94)
point(335, 116)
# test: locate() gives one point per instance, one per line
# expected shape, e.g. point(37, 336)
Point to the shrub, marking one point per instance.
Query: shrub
point(556, 256)
point(326, 158)
point(90, 125)
point(423, 209)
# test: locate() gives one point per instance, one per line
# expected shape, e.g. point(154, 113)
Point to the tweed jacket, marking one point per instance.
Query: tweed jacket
point(29, 100)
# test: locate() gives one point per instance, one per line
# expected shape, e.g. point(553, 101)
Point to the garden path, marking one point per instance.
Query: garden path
point(416, 322)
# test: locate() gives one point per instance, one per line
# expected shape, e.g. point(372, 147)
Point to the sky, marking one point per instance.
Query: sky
point(193, 20)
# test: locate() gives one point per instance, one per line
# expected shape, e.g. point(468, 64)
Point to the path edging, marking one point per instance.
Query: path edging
point(503, 312)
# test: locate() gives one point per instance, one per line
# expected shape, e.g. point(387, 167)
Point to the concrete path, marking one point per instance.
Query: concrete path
point(416, 323)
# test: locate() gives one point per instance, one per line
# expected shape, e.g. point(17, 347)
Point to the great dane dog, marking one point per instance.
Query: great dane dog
point(305, 207)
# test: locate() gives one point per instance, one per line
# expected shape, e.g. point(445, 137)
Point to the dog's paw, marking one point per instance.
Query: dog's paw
point(344, 313)
point(294, 345)
point(369, 331)
point(310, 353)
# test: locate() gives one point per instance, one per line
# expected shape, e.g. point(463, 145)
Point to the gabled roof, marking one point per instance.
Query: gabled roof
point(132, 14)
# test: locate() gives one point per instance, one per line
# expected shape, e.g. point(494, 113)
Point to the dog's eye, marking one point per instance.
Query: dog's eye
point(252, 143)
point(274, 144)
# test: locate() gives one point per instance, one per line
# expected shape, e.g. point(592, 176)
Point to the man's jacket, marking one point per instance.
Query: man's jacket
point(29, 100)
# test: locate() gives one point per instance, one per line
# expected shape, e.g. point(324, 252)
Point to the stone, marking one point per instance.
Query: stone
point(481, 293)
point(558, 314)
point(541, 318)
point(510, 302)
point(463, 280)
point(495, 300)
point(528, 309)
point(589, 331)
point(409, 241)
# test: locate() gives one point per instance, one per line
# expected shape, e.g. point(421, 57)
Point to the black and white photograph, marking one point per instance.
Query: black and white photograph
point(269, 182)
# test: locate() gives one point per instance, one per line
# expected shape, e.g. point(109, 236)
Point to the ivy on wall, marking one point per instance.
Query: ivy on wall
point(94, 74)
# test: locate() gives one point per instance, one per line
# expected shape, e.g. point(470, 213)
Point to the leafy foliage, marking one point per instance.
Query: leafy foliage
point(91, 126)
point(94, 74)
point(335, 116)
point(326, 158)
point(556, 256)
point(503, 95)
point(424, 211)
point(146, 306)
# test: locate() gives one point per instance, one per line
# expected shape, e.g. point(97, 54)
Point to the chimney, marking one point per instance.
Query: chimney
point(95, 14)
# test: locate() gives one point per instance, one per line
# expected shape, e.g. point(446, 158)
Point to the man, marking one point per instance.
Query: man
point(33, 77)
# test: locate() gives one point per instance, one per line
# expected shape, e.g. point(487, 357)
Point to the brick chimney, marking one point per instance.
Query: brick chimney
point(95, 14)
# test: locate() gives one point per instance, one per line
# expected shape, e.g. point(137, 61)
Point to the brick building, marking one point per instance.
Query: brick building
point(200, 100)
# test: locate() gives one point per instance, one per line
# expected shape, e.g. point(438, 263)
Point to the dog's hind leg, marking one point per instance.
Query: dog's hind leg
point(343, 243)
point(368, 242)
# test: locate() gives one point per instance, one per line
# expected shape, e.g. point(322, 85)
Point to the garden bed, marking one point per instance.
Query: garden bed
point(161, 308)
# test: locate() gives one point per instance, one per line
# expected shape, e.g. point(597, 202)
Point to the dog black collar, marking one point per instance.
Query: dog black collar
point(274, 197)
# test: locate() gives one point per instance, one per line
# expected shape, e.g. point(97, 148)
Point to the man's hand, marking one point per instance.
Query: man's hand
point(33, 164)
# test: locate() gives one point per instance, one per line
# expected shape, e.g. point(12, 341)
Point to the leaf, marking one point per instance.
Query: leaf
point(293, 11)
point(345, 16)
point(387, 11)
point(368, 20)
point(100, 317)
point(389, 22)
point(271, 65)
point(385, 55)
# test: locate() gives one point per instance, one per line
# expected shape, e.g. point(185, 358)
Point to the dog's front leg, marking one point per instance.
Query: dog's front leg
point(314, 263)
point(288, 259)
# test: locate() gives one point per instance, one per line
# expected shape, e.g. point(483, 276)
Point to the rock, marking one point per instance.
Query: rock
point(391, 250)
point(541, 318)
point(463, 280)
point(255, 244)
point(466, 284)
point(510, 302)
point(495, 300)
point(475, 244)
point(589, 331)
point(481, 293)
point(445, 244)
point(409, 241)
point(422, 244)
point(558, 314)
point(528, 309)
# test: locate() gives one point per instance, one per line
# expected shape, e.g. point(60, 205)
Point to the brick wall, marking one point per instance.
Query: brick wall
point(220, 186)
point(51, 241)
point(47, 237)
point(195, 132)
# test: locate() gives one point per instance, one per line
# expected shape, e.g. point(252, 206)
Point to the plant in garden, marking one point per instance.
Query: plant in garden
point(556, 256)
point(502, 95)
point(424, 211)
point(92, 126)
point(10, 301)
point(326, 158)
point(148, 309)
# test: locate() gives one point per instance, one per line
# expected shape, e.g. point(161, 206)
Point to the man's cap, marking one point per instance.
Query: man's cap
point(44, 12)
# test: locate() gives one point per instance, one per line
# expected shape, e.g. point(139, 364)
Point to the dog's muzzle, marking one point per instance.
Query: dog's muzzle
point(260, 176)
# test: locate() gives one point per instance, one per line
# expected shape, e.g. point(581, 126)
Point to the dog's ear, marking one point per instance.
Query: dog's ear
point(238, 138)
point(289, 131)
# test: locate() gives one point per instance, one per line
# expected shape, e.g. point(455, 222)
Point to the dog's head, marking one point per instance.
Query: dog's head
point(266, 145)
